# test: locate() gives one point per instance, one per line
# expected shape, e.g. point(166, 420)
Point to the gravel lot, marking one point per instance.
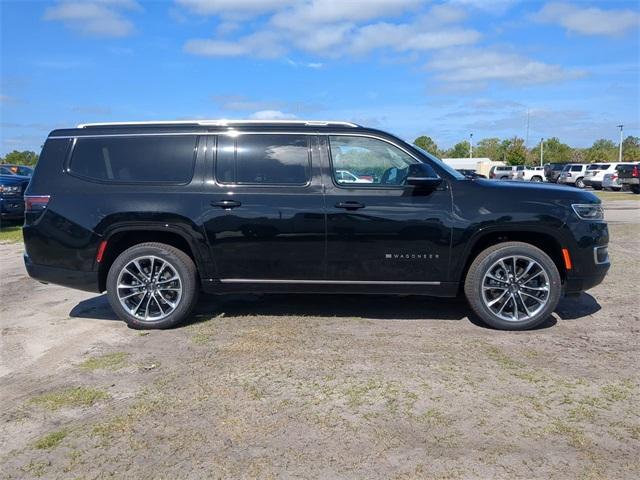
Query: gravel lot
point(322, 386)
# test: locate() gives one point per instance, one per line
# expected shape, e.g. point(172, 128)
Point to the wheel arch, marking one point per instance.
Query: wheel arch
point(543, 240)
point(120, 238)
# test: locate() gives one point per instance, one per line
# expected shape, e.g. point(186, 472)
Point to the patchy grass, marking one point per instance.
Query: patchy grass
point(502, 359)
point(10, 233)
point(51, 440)
point(70, 397)
point(616, 392)
point(609, 196)
point(110, 361)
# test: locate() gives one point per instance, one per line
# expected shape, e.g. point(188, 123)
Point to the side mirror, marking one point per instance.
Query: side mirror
point(422, 176)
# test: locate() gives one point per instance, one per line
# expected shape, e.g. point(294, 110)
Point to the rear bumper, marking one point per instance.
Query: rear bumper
point(87, 281)
point(12, 207)
point(629, 181)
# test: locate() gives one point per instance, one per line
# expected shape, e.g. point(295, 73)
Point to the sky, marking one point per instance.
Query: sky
point(446, 69)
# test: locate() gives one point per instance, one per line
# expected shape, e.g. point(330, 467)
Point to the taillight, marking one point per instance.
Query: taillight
point(35, 203)
point(635, 172)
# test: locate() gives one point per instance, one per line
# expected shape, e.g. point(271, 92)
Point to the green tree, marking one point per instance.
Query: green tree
point(602, 150)
point(20, 158)
point(553, 151)
point(459, 150)
point(631, 149)
point(427, 143)
point(514, 151)
point(488, 148)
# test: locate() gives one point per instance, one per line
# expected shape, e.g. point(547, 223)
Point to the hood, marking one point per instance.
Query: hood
point(538, 191)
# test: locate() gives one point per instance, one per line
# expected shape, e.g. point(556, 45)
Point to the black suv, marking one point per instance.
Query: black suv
point(155, 212)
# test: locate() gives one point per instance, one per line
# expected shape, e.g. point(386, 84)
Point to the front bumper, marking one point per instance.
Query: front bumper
point(87, 281)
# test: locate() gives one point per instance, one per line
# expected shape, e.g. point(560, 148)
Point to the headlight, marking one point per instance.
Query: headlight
point(588, 211)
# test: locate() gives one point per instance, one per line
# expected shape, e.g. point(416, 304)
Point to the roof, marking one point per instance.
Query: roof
point(223, 123)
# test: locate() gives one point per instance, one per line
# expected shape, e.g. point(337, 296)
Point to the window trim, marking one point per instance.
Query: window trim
point(235, 136)
point(68, 163)
point(364, 185)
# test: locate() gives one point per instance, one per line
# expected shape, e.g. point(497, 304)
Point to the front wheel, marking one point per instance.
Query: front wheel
point(513, 286)
point(152, 285)
point(580, 182)
point(536, 179)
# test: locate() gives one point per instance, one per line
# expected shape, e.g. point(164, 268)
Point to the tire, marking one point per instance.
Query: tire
point(536, 178)
point(579, 182)
point(177, 273)
point(488, 262)
point(597, 187)
point(635, 189)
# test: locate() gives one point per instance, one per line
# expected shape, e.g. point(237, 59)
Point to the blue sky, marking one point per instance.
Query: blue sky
point(412, 67)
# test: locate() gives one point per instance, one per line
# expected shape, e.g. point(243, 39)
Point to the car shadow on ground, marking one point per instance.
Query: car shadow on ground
point(377, 307)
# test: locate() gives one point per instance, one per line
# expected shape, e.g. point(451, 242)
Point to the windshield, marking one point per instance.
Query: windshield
point(449, 169)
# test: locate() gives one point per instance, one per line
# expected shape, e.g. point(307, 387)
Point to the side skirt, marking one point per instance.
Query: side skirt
point(246, 285)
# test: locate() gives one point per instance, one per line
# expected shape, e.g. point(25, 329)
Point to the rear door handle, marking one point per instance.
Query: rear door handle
point(350, 205)
point(226, 204)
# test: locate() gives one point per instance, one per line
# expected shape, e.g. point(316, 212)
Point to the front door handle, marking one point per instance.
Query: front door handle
point(226, 204)
point(350, 205)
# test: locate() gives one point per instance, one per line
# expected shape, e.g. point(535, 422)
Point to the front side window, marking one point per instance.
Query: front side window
point(576, 168)
point(144, 159)
point(263, 160)
point(368, 161)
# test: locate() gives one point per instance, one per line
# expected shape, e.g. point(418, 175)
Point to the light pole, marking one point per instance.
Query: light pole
point(541, 148)
point(620, 147)
point(470, 146)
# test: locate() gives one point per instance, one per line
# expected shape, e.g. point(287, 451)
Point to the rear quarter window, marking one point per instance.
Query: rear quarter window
point(149, 159)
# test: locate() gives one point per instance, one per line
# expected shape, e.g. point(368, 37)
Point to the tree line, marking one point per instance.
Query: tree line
point(25, 157)
point(513, 151)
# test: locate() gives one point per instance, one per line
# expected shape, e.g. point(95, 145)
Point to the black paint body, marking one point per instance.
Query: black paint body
point(294, 238)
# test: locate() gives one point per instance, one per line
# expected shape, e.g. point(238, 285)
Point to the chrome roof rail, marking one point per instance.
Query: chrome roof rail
point(224, 123)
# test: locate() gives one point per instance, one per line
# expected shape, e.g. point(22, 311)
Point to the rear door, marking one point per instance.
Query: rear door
point(380, 230)
point(264, 208)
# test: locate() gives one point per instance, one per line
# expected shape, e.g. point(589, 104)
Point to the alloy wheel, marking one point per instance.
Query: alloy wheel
point(149, 288)
point(515, 288)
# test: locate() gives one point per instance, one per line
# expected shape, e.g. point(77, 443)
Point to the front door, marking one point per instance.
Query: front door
point(264, 209)
point(378, 228)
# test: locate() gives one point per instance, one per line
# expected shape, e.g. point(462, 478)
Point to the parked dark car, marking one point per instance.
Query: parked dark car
point(471, 173)
point(552, 171)
point(12, 188)
point(153, 213)
point(23, 170)
point(629, 174)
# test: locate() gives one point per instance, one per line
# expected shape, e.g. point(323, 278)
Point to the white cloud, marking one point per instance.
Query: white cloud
point(240, 8)
point(272, 115)
point(589, 20)
point(99, 18)
point(332, 11)
point(473, 68)
point(260, 44)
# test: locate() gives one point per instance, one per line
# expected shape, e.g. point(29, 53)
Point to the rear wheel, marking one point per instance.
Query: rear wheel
point(152, 285)
point(513, 286)
point(536, 178)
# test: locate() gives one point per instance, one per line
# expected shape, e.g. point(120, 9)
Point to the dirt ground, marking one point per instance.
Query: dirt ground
point(322, 386)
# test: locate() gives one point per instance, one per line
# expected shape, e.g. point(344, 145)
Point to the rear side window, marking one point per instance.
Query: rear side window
point(148, 159)
point(576, 168)
point(263, 160)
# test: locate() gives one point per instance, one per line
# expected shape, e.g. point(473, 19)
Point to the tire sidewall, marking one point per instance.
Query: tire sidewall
point(179, 262)
point(555, 287)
